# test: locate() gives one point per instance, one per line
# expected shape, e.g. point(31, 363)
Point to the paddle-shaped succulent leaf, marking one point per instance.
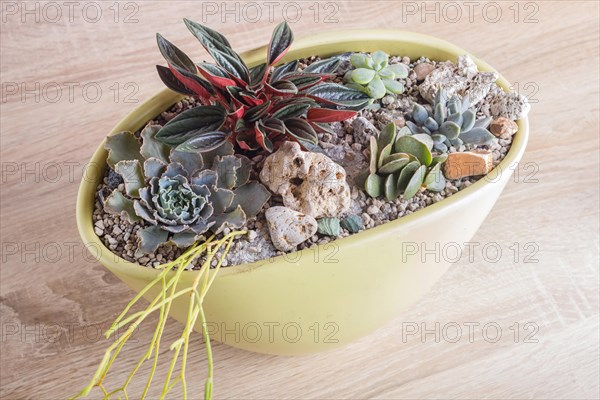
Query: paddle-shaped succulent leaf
point(373, 75)
point(180, 194)
point(254, 107)
point(450, 123)
point(401, 164)
point(352, 223)
point(329, 226)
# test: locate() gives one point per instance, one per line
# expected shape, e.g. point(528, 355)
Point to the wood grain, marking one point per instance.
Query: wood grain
point(550, 212)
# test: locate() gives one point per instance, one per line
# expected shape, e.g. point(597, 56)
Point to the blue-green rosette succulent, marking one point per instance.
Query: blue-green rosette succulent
point(452, 122)
point(180, 195)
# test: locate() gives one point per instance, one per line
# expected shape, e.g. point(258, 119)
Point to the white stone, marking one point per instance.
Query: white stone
point(289, 228)
point(310, 183)
point(509, 105)
point(480, 86)
point(422, 70)
point(462, 79)
point(252, 235)
point(444, 76)
point(111, 240)
point(363, 130)
point(466, 66)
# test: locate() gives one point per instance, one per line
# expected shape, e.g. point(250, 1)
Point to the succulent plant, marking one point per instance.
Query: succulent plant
point(258, 107)
point(329, 226)
point(374, 76)
point(451, 123)
point(180, 195)
point(402, 163)
point(352, 223)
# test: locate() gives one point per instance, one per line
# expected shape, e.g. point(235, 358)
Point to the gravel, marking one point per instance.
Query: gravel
point(348, 147)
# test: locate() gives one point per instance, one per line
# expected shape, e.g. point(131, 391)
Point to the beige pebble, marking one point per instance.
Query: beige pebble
point(422, 70)
point(252, 235)
point(373, 210)
point(503, 128)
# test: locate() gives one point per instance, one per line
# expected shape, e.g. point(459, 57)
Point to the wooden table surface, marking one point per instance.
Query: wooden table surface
point(68, 74)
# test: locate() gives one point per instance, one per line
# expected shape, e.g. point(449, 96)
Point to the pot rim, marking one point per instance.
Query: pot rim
point(146, 112)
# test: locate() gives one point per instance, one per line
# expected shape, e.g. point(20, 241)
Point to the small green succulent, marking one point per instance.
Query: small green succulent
point(352, 223)
point(402, 163)
point(176, 193)
point(329, 226)
point(374, 76)
point(452, 123)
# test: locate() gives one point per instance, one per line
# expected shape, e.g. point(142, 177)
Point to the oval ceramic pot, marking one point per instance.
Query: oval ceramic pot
point(328, 296)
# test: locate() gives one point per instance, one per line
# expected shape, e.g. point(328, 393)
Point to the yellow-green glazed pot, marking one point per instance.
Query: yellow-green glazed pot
point(326, 297)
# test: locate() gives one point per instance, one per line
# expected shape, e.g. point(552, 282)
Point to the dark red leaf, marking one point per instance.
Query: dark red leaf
point(326, 66)
point(321, 127)
point(193, 82)
point(281, 40)
point(283, 70)
point(273, 126)
point(250, 100)
point(290, 111)
point(246, 141)
point(237, 114)
point(191, 123)
point(171, 81)
point(328, 115)
point(342, 96)
point(262, 137)
point(281, 88)
point(233, 66)
point(280, 103)
point(305, 81)
point(257, 112)
point(301, 130)
point(205, 141)
point(173, 55)
point(242, 98)
point(209, 38)
point(258, 75)
point(215, 75)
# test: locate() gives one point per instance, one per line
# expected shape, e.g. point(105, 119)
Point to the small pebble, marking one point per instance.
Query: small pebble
point(373, 210)
point(387, 99)
point(422, 70)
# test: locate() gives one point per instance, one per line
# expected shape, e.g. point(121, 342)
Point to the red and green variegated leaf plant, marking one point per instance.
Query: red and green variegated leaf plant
point(256, 108)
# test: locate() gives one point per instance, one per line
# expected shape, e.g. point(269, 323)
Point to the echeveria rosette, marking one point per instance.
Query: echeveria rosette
point(450, 123)
point(259, 107)
point(174, 192)
point(374, 75)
